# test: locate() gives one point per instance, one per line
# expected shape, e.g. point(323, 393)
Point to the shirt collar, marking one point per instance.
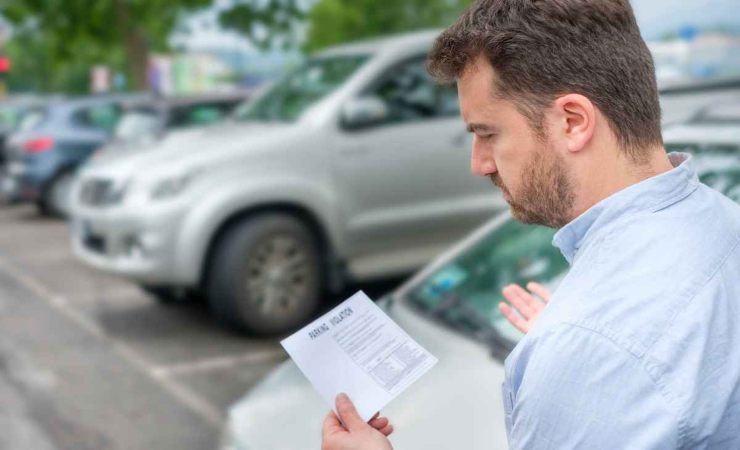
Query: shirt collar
point(652, 194)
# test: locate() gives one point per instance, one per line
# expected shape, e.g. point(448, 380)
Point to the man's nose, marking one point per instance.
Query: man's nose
point(481, 159)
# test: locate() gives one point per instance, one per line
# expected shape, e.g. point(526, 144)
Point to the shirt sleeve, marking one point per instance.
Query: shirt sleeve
point(580, 390)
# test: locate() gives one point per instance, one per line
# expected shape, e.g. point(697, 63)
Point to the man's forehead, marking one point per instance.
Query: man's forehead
point(477, 102)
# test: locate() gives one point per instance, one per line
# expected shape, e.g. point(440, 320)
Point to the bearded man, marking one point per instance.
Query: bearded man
point(639, 347)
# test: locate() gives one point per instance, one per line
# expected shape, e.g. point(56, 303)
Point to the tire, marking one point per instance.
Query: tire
point(265, 276)
point(55, 199)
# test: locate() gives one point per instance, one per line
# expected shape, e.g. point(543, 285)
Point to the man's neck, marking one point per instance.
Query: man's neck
point(615, 172)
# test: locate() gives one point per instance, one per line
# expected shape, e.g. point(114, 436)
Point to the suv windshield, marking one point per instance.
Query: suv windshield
point(464, 292)
point(286, 100)
point(136, 123)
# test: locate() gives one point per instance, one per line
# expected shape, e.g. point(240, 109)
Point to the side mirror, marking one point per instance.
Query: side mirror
point(364, 112)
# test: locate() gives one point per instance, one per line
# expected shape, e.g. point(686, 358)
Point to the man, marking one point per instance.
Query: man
point(639, 348)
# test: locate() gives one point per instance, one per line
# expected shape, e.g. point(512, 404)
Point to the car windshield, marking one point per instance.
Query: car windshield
point(464, 292)
point(289, 98)
point(199, 114)
point(136, 123)
point(717, 164)
point(31, 119)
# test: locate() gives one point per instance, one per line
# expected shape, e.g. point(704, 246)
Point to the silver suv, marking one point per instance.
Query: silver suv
point(351, 168)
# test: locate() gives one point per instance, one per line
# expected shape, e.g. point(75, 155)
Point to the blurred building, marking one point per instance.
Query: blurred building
point(215, 70)
point(697, 57)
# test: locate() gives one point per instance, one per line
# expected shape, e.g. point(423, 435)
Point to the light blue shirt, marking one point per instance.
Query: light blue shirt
point(639, 347)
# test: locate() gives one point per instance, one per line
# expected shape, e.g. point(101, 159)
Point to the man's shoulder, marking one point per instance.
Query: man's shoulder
point(705, 217)
point(558, 347)
point(650, 264)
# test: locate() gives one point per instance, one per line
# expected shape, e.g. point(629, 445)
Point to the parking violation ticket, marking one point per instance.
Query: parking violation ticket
point(357, 349)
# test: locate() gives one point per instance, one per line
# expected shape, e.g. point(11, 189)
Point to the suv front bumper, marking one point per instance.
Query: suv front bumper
point(139, 245)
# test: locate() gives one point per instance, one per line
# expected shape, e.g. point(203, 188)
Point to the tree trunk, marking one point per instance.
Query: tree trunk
point(137, 50)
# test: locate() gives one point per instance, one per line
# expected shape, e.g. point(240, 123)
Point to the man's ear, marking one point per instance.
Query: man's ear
point(575, 118)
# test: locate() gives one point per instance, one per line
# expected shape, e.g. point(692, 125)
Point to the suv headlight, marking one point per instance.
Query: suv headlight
point(100, 192)
point(172, 186)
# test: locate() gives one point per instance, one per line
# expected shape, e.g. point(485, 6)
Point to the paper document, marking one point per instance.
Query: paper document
point(357, 349)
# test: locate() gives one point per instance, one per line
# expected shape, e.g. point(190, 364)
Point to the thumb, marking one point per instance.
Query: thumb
point(348, 413)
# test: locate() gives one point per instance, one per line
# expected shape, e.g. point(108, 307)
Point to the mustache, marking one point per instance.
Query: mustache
point(498, 182)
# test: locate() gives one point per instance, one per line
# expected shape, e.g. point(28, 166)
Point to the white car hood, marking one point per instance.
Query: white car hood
point(192, 148)
point(456, 405)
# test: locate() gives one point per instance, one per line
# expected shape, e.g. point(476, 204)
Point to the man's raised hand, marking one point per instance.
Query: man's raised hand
point(523, 307)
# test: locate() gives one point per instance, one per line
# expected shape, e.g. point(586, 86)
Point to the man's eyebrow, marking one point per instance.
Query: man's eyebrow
point(478, 127)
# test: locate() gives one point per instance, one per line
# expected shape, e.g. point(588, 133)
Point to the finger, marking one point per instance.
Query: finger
point(331, 425)
point(375, 416)
point(379, 423)
point(539, 290)
point(387, 430)
point(348, 413)
point(520, 299)
point(513, 318)
point(525, 297)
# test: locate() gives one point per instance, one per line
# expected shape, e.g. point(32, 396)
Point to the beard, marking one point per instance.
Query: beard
point(546, 194)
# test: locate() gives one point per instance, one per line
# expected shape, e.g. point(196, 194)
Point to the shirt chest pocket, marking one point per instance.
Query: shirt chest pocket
point(508, 398)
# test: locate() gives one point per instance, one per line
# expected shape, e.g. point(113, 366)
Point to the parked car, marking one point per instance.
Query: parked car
point(12, 111)
point(681, 103)
point(53, 140)
point(12, 114)
point(450, 309)
point(352, 167)
point(712, 135)
point(146, 120)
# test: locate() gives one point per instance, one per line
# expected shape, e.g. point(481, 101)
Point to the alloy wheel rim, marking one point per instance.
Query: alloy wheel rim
point(278, 277)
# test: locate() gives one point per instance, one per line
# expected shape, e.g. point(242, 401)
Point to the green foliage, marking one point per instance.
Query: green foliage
point(70, 35)
point(266, 23)
point(335, 21)
point(56, 41)
point(34, 68)
point(270, 23)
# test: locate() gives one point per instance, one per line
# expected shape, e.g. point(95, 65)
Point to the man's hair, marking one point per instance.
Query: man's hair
point(541, 49)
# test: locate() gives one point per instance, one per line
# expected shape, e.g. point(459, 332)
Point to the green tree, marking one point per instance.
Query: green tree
point(335, 21)
point(320, 23)
point(78, 33)
point(266, 23)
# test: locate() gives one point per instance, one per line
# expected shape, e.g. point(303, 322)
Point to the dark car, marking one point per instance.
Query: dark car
point(52, 141)
point(145, 120)
point(12, 112)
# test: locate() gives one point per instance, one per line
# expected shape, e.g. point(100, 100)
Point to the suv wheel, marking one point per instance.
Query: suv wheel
point(265, 275)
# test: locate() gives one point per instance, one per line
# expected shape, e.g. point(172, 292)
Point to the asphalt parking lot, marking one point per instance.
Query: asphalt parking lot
point(88, 361)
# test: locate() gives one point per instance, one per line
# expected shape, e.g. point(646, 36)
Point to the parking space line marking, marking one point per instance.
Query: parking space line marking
point(194, 402)
point(115, 293)
point(218, 363)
